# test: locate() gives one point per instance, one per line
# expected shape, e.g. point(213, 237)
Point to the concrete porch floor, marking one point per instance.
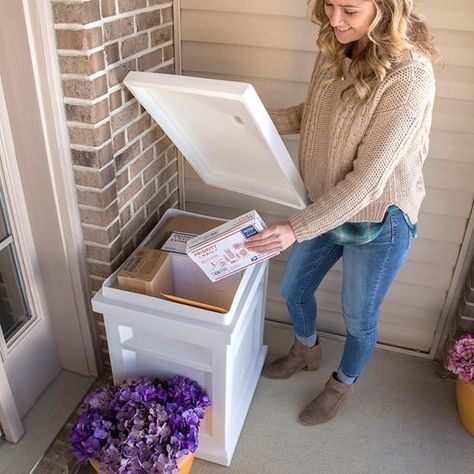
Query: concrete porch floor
point(401, 419)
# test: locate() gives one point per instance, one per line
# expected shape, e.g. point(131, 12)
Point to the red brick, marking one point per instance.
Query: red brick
point(138, 127)
point(99, 217)
point(81, 40)
point(167, 15)
point(119, 141)
point(148, 20)
point(151, 137)
point(150, 60)
point(125, 116)
point(112, 53)
point(82, 13)
point(161, 35)
point(104, 253)
point(173, 183)
point(129, 191)
point(88, 113)
point(108, 8)
point(129, 5)
point(93, 158)
point(95, 283)
point(169, 69)
point(90, 136)
point(151, 221)
point(167, 173)
point(82, 64)
point(126, 156)
point(122, 180)
point(100, 198)
point(130, 229)
point(101, 236)
point(115, 100)
point(154, 169)
point(163, 145)
point(171, 154)
point(125, 216)
point(153, 205)
point(118, 28)
point(85, 89)
point(102, 269)
point(168, 52)
point(144, 195)
point(134, 45)
point(141, 163)
point(94, 178)
point(117, 75)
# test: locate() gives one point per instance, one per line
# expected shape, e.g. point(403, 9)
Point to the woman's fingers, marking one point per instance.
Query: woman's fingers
point(276, 237)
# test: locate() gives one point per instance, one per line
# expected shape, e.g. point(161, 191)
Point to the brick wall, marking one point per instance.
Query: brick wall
point(125, 167)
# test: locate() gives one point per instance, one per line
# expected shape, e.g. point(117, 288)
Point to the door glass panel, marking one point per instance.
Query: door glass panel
point(3, 219)
point(14, 311)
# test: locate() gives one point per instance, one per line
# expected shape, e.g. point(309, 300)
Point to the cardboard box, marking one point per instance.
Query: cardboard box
point(139, 272)
point(221, 252)
point(177, 278)
point(177, 242)
point(193, 224)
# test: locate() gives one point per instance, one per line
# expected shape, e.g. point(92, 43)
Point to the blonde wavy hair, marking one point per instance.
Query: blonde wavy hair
point(396, 27)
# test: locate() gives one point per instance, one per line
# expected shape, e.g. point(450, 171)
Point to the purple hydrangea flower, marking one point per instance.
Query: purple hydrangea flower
point(140, 425)
point(461, 358)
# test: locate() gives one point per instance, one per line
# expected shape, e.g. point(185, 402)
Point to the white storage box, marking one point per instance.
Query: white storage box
point(225, 133)
point(224, 353)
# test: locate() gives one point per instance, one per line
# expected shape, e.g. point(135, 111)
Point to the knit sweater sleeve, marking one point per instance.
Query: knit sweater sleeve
point(287, 120)
point(404, 103)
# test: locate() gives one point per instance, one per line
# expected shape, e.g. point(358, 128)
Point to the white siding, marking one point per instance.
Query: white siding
point(271, 45)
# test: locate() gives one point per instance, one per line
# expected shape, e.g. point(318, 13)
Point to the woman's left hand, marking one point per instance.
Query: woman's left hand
point(276, 237)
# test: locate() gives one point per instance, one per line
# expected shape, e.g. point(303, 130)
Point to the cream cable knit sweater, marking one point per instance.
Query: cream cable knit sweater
point(358, 159)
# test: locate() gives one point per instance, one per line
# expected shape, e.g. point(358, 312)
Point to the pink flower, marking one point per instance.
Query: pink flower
point(461, 358)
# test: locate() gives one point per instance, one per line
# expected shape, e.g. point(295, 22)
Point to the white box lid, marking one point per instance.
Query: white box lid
point(224, 131)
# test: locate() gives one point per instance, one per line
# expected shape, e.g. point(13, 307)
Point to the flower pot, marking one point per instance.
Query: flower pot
point(184, 464)
point(96, 465)
point(465, 400)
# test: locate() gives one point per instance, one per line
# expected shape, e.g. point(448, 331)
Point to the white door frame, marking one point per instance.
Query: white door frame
point(9, 417)
point(10, 420)
point(80, 323)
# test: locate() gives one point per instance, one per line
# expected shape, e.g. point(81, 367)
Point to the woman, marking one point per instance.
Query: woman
point(364, 137)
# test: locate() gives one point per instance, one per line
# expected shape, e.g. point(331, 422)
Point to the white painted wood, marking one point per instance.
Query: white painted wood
point(224, 353)
point(10, 421)
point(29, 360)
point(236, 147)
point(271, 45)
point(76, 337)
point(178, 70)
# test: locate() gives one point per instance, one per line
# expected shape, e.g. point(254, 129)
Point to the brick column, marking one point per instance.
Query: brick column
point(125, 167)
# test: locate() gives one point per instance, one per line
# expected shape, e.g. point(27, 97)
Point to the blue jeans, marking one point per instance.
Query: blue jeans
point(368, 271)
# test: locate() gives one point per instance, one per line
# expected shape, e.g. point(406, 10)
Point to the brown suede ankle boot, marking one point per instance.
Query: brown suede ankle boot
point(300, 357)
point(324, 407)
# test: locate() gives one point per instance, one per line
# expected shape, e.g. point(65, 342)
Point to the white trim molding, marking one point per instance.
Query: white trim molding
point(39, 22)
point(178, 69)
